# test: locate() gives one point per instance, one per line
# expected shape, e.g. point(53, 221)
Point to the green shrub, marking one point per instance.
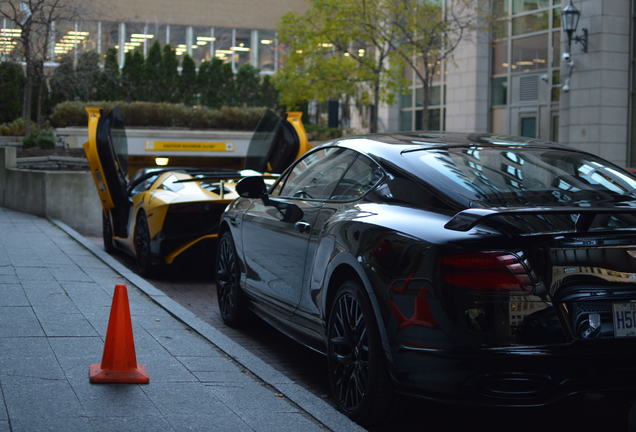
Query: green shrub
point(44, 139)
point(14, 128)
point(159, 114)
point(322, 133)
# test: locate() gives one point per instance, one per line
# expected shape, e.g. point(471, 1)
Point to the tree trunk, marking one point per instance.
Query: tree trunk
point(40, 106)
point(28, 85)
point(426, 102)
point(373, 123)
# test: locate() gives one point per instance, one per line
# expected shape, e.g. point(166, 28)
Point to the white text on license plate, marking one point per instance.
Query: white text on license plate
point(624, 315)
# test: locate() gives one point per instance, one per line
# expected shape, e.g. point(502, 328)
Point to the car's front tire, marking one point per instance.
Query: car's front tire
point(145, 265)
point(230, 297)
point(107, 232)
point(356, 363)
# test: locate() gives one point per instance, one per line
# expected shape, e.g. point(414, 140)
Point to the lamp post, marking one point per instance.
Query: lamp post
point(570, 17)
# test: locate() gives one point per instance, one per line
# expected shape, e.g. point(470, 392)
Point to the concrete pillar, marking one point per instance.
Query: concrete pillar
point(594, 114)
point(7, 160)
point(467, 84)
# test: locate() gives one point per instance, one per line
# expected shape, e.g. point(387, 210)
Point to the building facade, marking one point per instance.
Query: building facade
point(237, 32)
point(511, 80)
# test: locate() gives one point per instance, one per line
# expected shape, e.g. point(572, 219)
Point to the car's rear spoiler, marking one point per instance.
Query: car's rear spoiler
point(467, 219)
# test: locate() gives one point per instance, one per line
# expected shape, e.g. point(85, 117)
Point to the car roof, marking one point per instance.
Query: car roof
point(427, 140)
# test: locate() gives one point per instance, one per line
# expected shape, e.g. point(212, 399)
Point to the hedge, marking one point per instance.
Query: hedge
point(159, 114)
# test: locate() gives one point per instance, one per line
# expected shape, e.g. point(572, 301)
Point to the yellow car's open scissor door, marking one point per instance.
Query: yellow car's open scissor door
point(107, 154)
point(276, 142)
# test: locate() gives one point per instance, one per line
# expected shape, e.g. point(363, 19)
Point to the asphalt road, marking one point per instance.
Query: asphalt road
point(193, 287)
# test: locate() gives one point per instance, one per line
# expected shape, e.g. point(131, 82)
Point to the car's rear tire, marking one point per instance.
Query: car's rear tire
point(107, 233)
point(356, 362)
point(230, 297)
point(145, 265)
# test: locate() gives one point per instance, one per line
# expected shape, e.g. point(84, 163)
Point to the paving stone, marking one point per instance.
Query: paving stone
point(3, 410)
point(29, 399)
point(4, 426)
point(235, 378)
point(281, 422)
point(12, 295)
point(57, 323)
point(28, 357)
point(112, 400)
point(205, 422)
point(18, 321)
point(131, 424)
point(70, 273)
point(75, 354)
point(188, 399)
point(183, 342)
point(5, 269)
point(218, 363)
point(50, 424)
point(34, 273)
point(253, 399)
point(9, 279)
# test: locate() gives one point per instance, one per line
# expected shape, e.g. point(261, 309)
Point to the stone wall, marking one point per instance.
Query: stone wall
point(69, 196)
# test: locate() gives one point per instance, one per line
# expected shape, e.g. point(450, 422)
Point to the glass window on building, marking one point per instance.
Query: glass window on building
point(88, 30)
point(202, 44)
point(66, 39)
point(530, 23)
point(266, 50)
point(156, 32)
point(242, 47)
point(411, 113)
point(177, 39)
point(500, 61)
point(499, 91)
point(9, 44)
point(223, 44)
point(530, 53)
point(528, 126)
point(110, 36)
point(135, 38)
point(520, 6)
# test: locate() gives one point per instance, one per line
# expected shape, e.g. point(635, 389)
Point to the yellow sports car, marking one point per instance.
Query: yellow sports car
point(162, 213)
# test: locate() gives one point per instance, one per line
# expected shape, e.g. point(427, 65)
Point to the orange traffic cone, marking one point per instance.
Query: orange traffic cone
point(119, 362)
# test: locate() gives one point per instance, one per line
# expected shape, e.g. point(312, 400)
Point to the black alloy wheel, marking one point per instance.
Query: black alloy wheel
point(107, 232)
point(232, 301)
point(145, 265)
point(357, 366)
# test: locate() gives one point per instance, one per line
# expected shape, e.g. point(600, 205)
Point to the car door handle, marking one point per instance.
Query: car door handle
point(303, 227)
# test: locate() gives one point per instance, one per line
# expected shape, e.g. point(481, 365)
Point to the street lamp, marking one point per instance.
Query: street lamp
point(570, 16)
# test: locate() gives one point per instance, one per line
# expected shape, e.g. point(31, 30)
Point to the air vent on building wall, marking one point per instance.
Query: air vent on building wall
point(529, 88)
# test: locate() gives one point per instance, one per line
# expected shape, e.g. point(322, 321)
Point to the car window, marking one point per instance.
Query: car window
point(317, 174)
point(170, 183)
point(361, 176)
point(144, 185)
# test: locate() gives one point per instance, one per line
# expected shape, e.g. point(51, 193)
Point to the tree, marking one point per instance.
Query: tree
point(188, 80)
point(337, 49)
point(132, 76)
point(269, 94)
point(34, 20)
point(247, 86)
point(109, 84)
point(63, 81)
point(87, 74)
point(428, 32)
point(169, 73)
point(216, 83)
point(11, 88)
point(153, 73)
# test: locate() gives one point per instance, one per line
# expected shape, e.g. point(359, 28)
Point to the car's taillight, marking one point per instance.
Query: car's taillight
point(486, 271)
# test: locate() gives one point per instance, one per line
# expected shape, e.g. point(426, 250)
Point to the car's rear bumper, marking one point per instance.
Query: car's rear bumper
point(517, 376)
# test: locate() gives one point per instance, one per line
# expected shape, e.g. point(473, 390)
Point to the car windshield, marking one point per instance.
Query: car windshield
point(509, 177)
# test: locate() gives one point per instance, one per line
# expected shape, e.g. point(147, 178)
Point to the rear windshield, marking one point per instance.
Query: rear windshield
point(511, 177)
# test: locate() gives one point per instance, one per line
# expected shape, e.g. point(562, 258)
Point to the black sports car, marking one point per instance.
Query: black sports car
point(471, 268)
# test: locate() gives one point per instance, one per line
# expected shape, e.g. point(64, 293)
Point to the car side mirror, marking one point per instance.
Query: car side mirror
point(252, 187)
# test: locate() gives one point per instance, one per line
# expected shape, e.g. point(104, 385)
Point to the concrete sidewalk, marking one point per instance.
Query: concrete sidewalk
point(55, 297)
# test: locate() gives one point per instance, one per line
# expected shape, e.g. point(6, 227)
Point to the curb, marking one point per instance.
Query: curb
point(304, 399)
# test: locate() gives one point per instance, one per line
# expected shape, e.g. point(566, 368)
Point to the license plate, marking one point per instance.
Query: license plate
point(624, 319)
